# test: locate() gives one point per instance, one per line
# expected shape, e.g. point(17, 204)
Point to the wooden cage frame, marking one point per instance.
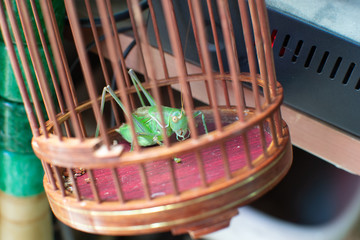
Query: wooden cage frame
point(67, 149)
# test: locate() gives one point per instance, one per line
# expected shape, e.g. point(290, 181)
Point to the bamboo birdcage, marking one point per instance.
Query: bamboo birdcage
point(96, 184)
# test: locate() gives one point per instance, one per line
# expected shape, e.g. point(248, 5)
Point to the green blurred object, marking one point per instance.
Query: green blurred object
point(15, 131)
point(8, 86)
point(59, 9)
point(21, 175)
point(21, 172)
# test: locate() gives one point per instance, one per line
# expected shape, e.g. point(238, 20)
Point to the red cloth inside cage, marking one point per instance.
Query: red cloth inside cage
point(187, 172)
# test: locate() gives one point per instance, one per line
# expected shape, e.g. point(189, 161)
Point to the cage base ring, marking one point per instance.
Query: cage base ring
point(198, 212)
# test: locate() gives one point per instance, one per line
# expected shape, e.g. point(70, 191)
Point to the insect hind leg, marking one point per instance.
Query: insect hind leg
point(109, 90)
point(101, 109)
point(137, 85)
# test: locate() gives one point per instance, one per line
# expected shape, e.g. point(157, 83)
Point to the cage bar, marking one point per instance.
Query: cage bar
point(36, 60)
point(61, 62)
point(50, 67)
point(101, 57)
point(218, 51)
point(119, 192)
point(180, 62)
point(232, 56)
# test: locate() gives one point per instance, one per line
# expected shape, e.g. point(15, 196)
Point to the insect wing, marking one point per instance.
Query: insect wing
point(140, 123)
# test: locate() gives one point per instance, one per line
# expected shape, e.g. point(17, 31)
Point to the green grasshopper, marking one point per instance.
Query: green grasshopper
point(147, 123)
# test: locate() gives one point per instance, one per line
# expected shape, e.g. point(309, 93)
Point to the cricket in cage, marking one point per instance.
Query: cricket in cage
point(147, 123)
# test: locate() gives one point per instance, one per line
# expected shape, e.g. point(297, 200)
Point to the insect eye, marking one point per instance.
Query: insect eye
point(175, 119)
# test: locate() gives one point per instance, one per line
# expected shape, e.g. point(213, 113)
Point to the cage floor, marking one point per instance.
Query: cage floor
point(186, 173)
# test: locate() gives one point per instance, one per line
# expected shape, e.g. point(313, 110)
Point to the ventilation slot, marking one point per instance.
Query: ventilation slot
point(348, 73)
point(284, 45)
point(310, 56)
point(323, 61)
point(297, 51)
point(273, 37)
point(357, 86)
point(335, 68)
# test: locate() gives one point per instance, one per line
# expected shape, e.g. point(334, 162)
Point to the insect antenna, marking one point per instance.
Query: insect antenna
point(182, 103)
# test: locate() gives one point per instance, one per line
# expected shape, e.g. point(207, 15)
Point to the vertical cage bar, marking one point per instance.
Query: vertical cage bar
point(158, 40)
point(250, 52)
point(135, 8)
point(74, 183)
point(232, 57)
point(262, 137)
point(266, 57)
point(49, 64)
point(174, 31)
point(101, 57)
point(198, 44)
point(59, 179)
point(196, 37)
point(117, 71)
point(259, 42)
point(118, 47)
point(260, 50)
point(136, 35)
point(70, 85)
point(180, 63)
point(51, 176)
point(171, 163)
point(225, 161)
point(200, 165)
point(93, 186)
point(47, 174)
point(218, 51)
point(119, 191)
point(247, 150)
point(63, 59)
point(17, 72)
point(161, 52)
point(37, 63)
point(144, 181)
point(62, 68)
point(265, 30)
point(85, 64)
point(278, 123)
point(204, 52)
point(27, 72)
point(273, 130)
